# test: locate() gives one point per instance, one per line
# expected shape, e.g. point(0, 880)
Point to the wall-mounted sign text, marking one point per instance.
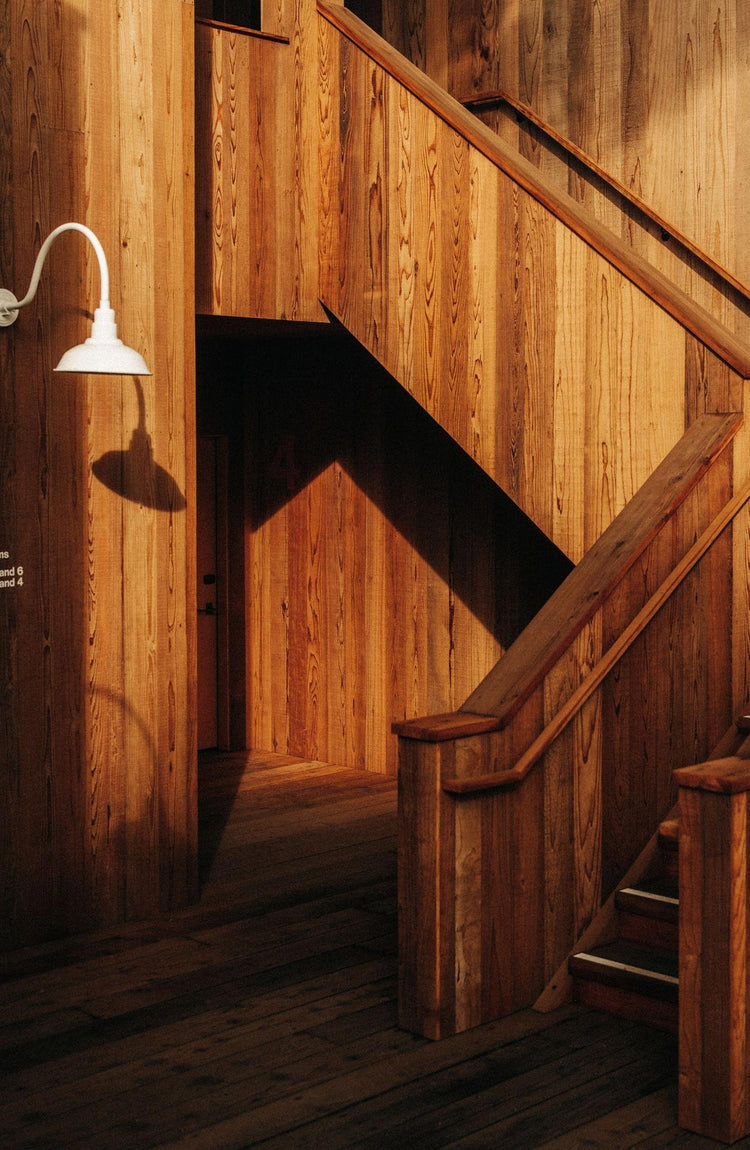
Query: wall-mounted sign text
point(11, 575)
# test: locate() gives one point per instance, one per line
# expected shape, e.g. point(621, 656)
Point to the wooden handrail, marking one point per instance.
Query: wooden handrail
point(500, 96)
point(519, 672)
point(624, 641)
point(639, 271)
point(222, 26)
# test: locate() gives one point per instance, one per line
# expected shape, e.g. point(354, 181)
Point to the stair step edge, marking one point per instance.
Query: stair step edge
point(648, 904)
point(586, 958)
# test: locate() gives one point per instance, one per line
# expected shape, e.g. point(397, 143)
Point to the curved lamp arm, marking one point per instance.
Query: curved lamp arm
point(9, 308)
point(102, 351)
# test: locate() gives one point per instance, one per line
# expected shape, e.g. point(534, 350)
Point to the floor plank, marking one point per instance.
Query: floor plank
point(266, 1014)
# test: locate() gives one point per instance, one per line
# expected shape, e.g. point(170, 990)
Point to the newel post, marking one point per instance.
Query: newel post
point(714, 1097)
point(432, 1001)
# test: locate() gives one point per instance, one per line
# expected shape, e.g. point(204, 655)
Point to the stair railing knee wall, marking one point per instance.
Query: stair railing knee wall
point(657, 286)
point(501, 870)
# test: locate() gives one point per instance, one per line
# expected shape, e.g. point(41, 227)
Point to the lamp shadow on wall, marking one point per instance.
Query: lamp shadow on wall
point(135, 475)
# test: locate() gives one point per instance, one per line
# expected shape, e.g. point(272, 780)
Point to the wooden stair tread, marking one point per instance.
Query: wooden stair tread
point(656, 898)
point(629, 966)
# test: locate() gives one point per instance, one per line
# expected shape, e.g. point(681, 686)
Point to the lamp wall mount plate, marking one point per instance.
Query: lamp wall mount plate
point(8, 308)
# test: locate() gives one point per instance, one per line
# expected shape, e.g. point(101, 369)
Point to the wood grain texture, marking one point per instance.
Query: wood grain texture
point(713, 964)
point(573, 389)
point(374, 595)
point(257, 191)
point(656, 97)
point(266, 1014)
point(102, 784)
point(598, 790)
point(605, 564)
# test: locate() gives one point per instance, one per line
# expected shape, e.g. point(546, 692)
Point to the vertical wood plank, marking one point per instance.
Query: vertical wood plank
point(713, 962)
point(421, 888)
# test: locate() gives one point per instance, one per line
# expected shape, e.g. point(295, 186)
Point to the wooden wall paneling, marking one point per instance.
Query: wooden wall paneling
point(627, 421)
point(276, 16)
point(257, 132)
point(174, 431)
point(43, 432)
point(456, 276)
point(352, 208)
point(588, 749)
point(400, 239)
point(470, 911)
point(423, 885)
point(301, 299)
point(514, 845)
point(499, 923)
point(634, 82)
point(649, 728)
point(480, 567)
point(360, 698)
point(237, 193)
point(486, 322)
point(376, 627)
point(421, 569)
point(9, 679)
point(741, 573)
point(206, 125)
point(567, 527)
point(378, 204)
point(558, 772)
point(476, 50)
point(499, 439)
point(271, 476)
point(572, 780)
point(329, 73)
point(504, 411)
point(138, 528)
point(710, 386)
point(667, 125)
point(336, 653)
point(404, 27)
point(542, 34)
point(595, 113)
point(513, 924)
point(437, 17)
point(429, 240)
point(740, 249)
point(538, 324)
point(100, 695)
point(691, 1052)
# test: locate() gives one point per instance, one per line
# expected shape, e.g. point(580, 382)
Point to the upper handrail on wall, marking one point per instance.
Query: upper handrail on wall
point(500, 96)
point(526, 662)
point(638, 270)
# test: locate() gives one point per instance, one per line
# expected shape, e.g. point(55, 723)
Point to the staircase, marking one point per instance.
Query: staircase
point(635, 976)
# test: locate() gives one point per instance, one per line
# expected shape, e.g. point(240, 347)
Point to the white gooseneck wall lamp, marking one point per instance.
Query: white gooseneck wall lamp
point(102, 351)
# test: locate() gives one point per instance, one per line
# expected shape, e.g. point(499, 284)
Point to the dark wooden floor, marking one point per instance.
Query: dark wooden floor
point(267, 1014)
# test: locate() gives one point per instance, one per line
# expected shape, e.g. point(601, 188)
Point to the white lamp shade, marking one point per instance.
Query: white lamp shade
point(103, 352)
